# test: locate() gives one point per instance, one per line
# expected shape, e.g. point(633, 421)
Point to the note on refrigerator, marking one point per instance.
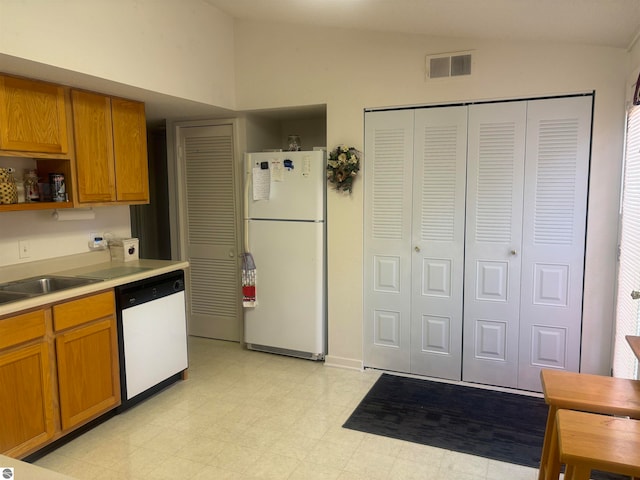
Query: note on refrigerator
point(277, 172)
point(261, 183)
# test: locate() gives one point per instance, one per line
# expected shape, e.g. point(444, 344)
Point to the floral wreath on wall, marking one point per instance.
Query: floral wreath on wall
point(343, 166)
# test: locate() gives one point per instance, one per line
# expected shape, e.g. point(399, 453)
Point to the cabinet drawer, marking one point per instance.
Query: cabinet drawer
point(22, 328)
point(77, 312)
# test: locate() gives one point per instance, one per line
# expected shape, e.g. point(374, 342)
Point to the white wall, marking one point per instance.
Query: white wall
point(49, 238)
point(350, 71)
point(184, 49)
point(181, 48)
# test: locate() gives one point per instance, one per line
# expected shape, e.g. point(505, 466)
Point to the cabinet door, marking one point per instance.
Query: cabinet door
point(26, 399)
point(88, 372)
point(130, 149)
point(32, 116)
point(94, 147)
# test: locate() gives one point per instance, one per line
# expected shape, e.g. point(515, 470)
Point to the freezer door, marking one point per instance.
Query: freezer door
point(290, 286)
point(296, 183)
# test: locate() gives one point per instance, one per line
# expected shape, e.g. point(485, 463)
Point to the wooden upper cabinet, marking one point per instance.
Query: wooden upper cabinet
point(95, 170)
point(130, 149)
point(111, 149)
point(32, 116)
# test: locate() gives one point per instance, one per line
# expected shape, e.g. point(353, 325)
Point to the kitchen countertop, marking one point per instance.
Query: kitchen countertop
point(111, 274)
point(23, 470)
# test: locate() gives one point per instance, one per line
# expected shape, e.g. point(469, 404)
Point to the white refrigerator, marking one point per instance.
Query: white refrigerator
point(285, 223)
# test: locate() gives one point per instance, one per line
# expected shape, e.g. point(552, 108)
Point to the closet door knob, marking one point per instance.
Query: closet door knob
point(513, 252)
point(635, 294)
point(416, 248)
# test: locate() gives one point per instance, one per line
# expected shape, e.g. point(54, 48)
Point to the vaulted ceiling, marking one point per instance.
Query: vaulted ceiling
point(612, 23)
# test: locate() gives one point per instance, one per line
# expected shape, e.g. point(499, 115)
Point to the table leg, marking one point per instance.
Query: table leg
point(549, 433)
point(581, 473)
point(552, 463)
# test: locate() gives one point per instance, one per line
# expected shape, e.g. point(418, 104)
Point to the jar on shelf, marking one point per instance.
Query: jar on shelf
point(20, 191)
point(31, 190)
point(8, 191)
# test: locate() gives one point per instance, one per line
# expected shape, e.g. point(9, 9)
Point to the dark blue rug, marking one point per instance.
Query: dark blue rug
point(507, 427)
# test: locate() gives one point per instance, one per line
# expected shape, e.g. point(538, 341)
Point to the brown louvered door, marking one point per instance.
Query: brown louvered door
point(213, 211)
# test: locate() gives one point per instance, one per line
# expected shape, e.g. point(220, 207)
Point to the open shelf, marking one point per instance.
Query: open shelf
point(14, 207)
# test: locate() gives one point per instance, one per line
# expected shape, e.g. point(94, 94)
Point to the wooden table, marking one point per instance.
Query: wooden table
point(588, 441)
point(588, 393)
point(635, 345)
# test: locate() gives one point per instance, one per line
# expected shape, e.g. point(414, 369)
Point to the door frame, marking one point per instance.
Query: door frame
point(178, 191)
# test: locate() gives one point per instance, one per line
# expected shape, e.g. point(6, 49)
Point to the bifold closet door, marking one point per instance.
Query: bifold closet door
point(553, 236)
point(495, 173)
point(439, 173)
point(528, 167)
point(414, 240)
point(387, 239)
point(475, 221)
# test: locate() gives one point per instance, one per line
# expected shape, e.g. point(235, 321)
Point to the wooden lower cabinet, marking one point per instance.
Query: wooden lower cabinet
point(27, 415)
point(87, 358)
point(73, 342)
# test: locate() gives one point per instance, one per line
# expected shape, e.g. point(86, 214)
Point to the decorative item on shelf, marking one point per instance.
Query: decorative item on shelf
point(343, 166)
point(31, 190)
point(58, 190)
point(294, 143)
point(8, 190)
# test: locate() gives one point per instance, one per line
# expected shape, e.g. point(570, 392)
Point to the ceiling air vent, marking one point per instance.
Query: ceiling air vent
point(445, 65)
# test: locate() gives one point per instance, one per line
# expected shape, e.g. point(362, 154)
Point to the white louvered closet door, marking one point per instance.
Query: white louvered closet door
point(625, 364)
point(555, 212)
point(440, 157)
point(387, 239)
point(495, 172)
point(212, 231)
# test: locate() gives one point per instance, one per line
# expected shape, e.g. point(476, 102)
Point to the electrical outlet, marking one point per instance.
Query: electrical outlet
point(96, 241)
point(24, 249)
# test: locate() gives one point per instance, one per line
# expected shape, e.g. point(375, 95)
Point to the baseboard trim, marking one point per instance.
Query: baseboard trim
point(341, 362)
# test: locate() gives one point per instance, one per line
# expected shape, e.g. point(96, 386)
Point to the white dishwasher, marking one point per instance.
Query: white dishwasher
point(152, 335)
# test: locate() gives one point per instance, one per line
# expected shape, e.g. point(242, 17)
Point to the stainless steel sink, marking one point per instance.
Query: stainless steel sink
point(7, 297)
point(44, 284)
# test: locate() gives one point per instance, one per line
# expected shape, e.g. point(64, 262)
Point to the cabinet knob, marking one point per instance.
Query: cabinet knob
point(231, 254)
point(635, 294)
point(513, 252)
point(416, 248)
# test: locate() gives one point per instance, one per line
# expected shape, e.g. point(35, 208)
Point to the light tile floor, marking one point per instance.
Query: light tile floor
point(250, 415)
